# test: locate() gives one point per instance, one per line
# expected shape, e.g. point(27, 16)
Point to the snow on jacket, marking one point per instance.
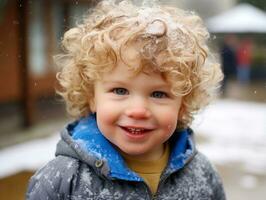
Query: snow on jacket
point(88, 167)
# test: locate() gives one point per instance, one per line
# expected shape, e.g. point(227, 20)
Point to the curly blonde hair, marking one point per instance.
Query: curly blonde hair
point(168, 40)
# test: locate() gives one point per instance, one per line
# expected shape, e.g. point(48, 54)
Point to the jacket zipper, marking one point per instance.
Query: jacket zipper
point(161, 182)
point(166, 176)
point(148, 190)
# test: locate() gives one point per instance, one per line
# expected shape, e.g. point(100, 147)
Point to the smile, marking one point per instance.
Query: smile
point(135, 131)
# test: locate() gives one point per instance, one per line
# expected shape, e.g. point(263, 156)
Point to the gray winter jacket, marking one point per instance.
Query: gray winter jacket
point(87, 167)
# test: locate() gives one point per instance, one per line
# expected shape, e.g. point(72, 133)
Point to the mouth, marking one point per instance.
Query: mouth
point(135, 131)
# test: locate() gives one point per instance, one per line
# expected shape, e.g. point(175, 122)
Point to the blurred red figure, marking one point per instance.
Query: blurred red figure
point(244, 53)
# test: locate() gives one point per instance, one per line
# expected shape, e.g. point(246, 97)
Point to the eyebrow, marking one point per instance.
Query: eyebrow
point(114, 82)
point(160, 85)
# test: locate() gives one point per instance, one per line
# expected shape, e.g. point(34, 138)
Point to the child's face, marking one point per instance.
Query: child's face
point(136, 113)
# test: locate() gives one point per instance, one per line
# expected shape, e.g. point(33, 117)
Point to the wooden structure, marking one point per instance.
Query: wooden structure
point(30, 35)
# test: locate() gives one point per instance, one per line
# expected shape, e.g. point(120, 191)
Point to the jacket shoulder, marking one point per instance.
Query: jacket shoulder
point(53, 181)
point(208, 174)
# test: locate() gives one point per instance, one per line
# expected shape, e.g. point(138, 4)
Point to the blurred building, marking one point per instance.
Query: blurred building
point(30, 33)
point(205, 8)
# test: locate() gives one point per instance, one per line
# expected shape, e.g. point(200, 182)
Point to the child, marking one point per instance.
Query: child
point(133, 77)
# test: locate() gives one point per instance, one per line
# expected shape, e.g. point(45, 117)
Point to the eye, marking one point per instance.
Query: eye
point(158, 94)
point(120, 91)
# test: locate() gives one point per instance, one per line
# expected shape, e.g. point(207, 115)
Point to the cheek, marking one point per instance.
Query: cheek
point(169, 119)
point(104, 121)
point(169, 123)
point(106, 115)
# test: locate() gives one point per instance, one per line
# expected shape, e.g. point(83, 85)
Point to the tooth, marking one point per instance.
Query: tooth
point(136, 130)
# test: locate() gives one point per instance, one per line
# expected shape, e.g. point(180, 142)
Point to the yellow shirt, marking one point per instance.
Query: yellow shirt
point(150, 171)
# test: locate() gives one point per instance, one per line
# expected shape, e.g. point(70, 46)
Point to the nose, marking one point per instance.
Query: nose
point(138, 110)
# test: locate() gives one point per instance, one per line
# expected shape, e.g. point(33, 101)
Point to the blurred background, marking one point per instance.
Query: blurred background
point(231, 131)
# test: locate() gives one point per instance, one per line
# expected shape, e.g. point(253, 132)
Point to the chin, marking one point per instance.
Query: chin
point(133, 152)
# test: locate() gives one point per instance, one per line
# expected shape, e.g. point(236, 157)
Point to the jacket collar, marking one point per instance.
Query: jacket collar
point(87, 135)
point(87, 140)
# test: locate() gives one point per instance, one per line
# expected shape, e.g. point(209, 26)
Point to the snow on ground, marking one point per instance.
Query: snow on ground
point(27, 156)
point(235, 132)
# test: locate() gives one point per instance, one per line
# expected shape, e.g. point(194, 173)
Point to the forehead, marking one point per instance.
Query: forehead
point(123, 72)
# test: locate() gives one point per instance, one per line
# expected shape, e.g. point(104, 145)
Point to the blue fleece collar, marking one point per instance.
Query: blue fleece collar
point(89, 137)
